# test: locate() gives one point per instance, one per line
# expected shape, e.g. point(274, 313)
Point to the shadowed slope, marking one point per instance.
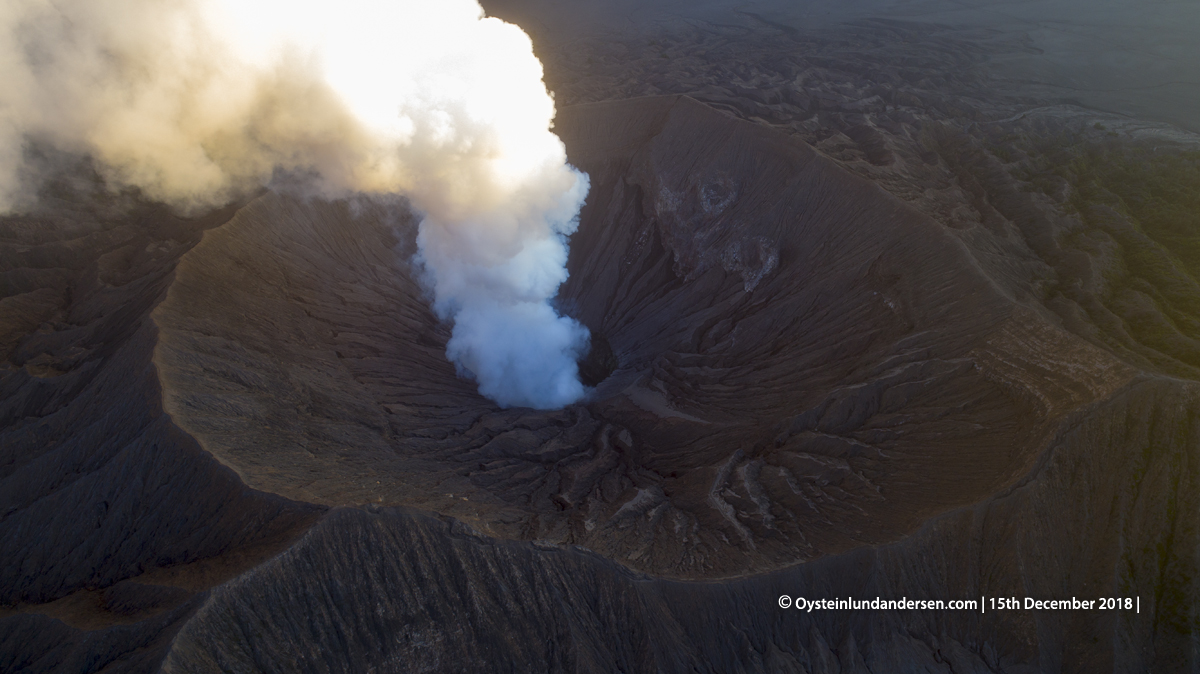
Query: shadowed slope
point(113, 522)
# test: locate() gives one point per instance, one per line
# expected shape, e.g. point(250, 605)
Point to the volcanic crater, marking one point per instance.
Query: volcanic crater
point(800, 363)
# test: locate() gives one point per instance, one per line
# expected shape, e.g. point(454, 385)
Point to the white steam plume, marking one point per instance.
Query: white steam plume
point(195, 101)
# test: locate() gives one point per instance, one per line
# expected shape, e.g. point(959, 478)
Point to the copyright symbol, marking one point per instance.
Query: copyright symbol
point(785, 601)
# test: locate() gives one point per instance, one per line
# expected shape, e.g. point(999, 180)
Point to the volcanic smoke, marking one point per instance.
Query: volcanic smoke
point(197, 102)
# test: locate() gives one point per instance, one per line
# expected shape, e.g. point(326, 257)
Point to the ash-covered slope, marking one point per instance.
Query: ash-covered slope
point(391, 590)
point(819, 391)
point(113, 522)
point(777, 324)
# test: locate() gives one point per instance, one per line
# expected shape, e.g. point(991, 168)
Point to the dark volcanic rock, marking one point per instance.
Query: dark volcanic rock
point(599, 363)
